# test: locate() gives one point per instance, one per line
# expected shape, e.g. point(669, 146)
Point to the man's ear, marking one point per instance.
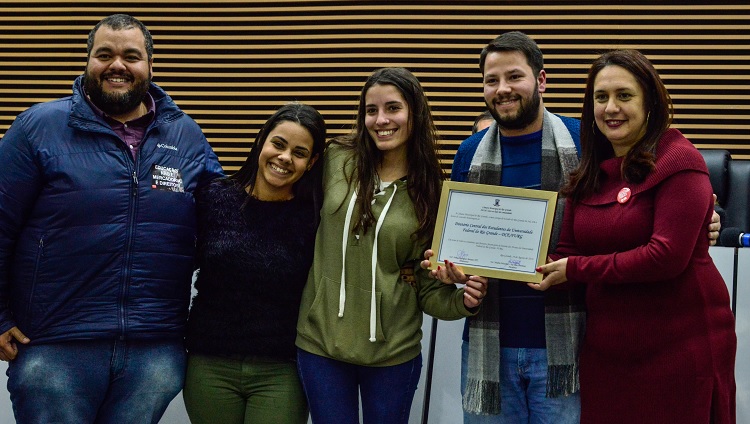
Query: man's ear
point(541, 80)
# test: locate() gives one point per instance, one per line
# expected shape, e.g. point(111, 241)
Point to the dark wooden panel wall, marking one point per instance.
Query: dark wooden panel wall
point(230, 64)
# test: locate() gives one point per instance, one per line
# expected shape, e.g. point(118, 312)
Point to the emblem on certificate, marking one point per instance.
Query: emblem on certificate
point(494, 231)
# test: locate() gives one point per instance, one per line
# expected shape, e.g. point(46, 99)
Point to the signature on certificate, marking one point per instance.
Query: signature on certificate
point(461, 255)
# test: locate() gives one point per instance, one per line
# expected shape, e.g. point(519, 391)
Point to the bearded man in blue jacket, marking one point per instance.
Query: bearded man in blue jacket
point(97, 234)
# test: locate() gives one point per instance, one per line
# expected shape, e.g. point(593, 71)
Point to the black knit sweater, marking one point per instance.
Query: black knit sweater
point(253, 265)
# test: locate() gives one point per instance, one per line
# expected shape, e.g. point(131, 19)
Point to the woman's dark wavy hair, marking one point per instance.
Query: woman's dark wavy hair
point(424, 175)
point(595, 148)
point(309, 186)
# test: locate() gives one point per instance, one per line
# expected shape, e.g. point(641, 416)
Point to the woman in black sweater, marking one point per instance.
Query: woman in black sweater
point(255, 246)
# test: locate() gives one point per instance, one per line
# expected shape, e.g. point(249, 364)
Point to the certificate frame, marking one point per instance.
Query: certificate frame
point(494, 231)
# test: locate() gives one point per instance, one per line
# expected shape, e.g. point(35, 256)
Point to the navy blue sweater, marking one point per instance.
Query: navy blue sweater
point(253, 264)
point(521, 308)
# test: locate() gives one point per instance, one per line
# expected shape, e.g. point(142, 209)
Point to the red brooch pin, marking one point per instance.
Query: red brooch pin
point(624, 195)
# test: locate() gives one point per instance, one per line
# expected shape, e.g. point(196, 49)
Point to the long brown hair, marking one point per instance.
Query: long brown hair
point(424, 174)
point(595, 148)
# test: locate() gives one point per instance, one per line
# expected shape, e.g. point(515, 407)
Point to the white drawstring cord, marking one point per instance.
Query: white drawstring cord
point(373, 303)
point(347, 222)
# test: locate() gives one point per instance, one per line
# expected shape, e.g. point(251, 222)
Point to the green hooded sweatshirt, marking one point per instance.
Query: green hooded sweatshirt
point(355, 306)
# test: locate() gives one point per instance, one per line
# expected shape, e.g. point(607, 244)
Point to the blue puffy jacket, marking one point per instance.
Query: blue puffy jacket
point(95, 245)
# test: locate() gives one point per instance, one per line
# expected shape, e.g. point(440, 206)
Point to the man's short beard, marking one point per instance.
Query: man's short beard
point(526, 115)
point(115, 104)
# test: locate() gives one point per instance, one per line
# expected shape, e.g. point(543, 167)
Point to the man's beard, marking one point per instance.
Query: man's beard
point(115, 104)
point(527, 113)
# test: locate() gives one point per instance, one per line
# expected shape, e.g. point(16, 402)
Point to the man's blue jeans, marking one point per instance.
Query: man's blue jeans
point(95, 381)
point(523, 385)
point(333, 389)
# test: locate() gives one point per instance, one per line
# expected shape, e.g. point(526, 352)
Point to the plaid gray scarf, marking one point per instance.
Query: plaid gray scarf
point(565, 317)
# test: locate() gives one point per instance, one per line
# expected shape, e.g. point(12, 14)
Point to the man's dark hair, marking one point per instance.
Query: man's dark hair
point(484, 116)
point(120, 22)
point(515, 41)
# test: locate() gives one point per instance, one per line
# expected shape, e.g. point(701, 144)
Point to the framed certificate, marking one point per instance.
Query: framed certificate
point(494, 231)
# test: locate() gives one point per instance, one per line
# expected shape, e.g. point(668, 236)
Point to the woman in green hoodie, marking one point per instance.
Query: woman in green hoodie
point(359, 329)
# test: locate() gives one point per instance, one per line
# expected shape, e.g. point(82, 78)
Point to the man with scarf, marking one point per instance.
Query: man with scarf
point(520, 352)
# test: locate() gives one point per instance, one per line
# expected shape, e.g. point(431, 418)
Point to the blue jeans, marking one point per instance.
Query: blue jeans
point(95, 381)
point(523, 386)
point(332, 388)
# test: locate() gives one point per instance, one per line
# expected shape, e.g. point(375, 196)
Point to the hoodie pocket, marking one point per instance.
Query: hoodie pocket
point(348, 337)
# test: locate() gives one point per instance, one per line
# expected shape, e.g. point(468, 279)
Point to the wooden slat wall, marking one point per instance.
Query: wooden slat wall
point(230, 64)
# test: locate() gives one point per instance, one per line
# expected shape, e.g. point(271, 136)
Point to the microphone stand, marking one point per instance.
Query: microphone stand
point(735, 281)
point(430, 362)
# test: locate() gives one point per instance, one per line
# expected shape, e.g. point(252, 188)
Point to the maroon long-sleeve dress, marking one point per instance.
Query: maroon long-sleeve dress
point(660, 342)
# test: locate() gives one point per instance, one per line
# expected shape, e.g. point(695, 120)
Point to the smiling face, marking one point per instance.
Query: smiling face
point(286, 155)
point(512, 92)
point(387, 119)
point(118, 71)
point(619, 108)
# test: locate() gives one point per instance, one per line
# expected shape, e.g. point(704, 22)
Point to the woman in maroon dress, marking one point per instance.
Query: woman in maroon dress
point(660, 341)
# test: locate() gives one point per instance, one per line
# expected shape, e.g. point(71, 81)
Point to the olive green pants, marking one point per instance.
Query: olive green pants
point(243, 390)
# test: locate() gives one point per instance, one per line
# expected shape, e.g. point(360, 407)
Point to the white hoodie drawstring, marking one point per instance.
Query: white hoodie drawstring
point(345, 239)
point(373, 303)
point(347, 221)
